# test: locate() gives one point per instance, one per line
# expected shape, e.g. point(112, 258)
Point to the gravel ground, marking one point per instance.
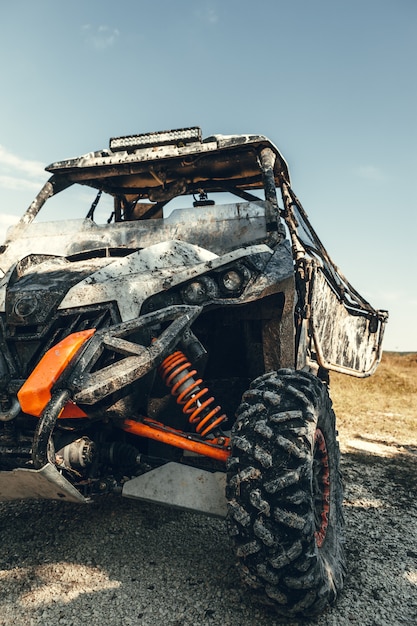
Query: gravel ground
point(122, 562)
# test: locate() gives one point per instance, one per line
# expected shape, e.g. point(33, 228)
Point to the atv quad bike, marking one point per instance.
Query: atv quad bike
point(126, 346)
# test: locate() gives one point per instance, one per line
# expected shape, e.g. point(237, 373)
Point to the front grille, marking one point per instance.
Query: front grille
point(26, 345)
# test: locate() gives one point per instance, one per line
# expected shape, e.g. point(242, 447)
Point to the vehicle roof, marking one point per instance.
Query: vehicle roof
point(214, 163)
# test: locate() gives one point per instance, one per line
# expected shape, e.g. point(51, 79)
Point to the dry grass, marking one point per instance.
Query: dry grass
point(382, 407)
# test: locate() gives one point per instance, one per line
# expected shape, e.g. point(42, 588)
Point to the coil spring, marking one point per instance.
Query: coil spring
point(178, 375)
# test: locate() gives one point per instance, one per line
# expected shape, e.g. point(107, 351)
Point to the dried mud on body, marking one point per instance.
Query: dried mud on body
point(122, 562)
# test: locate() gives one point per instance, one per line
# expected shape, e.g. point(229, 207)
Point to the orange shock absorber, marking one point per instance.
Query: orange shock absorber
point(195, 402)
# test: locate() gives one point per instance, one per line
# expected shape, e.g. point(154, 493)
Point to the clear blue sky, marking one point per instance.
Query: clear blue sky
point(332, 83)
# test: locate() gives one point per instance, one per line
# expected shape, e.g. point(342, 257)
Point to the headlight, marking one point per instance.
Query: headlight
point(25, 306)
point(199, 290)
point(223, 284)
point(233, 280)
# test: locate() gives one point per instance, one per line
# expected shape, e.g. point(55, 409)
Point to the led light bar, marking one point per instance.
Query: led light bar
point(161, 138)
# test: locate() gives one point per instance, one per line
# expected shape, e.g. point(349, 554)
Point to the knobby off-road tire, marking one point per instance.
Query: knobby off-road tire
point(284, 494)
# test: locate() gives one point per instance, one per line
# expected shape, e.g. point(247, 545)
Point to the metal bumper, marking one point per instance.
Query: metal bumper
point(89, 385)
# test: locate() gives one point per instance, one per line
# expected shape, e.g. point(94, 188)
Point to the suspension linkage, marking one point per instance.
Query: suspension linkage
point(216, 448)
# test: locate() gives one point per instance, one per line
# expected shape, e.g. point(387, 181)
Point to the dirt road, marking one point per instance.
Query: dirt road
point(122, 562)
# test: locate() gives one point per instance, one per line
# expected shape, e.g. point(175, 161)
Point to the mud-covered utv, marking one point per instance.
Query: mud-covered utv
point(179, 352)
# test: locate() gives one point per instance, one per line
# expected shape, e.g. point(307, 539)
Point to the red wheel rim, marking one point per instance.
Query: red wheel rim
point(321, 487)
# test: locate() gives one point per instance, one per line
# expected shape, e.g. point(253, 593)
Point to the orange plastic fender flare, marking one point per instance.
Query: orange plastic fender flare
point(35, 392)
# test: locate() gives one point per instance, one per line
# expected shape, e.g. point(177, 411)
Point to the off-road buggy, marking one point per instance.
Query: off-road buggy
point(119, 343)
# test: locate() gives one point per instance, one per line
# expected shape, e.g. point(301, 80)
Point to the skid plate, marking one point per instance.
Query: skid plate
point(182, 487)
point(45, 483)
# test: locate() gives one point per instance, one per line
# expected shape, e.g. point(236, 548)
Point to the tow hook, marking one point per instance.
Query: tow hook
point(10, 413)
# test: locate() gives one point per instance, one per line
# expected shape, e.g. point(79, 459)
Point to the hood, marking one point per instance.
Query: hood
point(131, 280)
point(38, 285)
